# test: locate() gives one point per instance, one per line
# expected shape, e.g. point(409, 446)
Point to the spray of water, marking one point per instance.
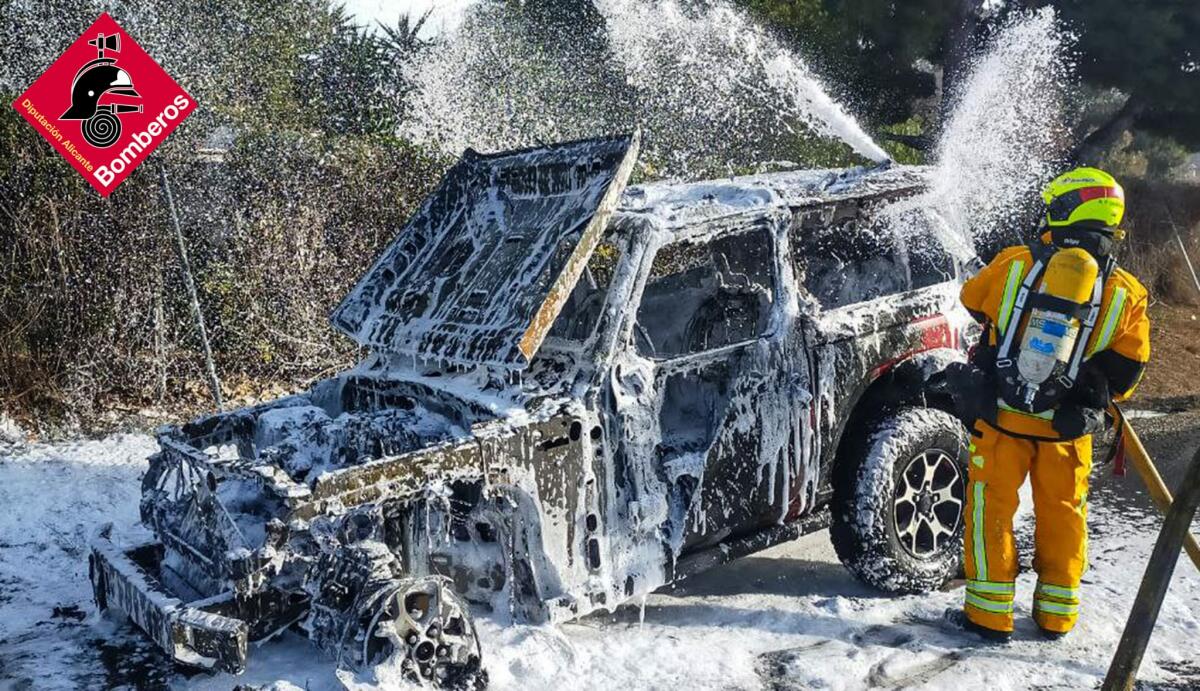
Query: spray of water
point(717, 61)
point(708, 87)
point(1008, 132)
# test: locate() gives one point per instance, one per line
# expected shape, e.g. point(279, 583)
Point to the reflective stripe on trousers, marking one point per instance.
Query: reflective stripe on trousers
point(1058, 471)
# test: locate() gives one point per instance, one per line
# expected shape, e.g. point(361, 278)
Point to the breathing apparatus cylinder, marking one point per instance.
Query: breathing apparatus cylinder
point(1050, 334)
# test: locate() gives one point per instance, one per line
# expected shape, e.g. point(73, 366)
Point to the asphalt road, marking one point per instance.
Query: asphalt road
point(1172, 440)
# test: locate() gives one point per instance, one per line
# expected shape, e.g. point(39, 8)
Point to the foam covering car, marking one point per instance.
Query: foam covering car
point(575, 392)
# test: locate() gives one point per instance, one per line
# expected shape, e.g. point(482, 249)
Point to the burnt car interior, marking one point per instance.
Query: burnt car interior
point(706, 295)
point(866, 253)
point(581, 312)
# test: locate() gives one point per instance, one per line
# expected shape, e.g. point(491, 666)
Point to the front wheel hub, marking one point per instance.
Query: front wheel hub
point(424, 626)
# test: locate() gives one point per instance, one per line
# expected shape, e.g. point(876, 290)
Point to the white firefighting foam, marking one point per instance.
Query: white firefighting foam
point(710, 89)
point(683, 59)
point(1008, 131)
point(796, 598)
point(713, 91)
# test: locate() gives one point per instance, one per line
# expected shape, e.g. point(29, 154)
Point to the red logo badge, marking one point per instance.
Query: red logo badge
point(105, 104)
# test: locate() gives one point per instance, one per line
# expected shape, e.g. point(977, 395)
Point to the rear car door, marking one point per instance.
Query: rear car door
point(884, 284)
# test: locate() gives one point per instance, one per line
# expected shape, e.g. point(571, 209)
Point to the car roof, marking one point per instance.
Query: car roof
point(678, 207)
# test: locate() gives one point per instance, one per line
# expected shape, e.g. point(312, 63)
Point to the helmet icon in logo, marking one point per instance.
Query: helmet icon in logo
point(101, 124)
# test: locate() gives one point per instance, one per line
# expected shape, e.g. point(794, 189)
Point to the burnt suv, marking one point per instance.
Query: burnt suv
point(576, 393)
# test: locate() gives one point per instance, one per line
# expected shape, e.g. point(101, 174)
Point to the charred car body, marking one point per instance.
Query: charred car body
point(576, 394)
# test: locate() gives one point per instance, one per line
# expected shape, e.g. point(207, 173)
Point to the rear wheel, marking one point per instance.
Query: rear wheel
point(899, 492)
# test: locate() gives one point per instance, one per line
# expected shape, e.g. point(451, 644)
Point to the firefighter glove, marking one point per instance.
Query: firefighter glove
point(973, 392)
point(1074, 421)
point(1092, 390)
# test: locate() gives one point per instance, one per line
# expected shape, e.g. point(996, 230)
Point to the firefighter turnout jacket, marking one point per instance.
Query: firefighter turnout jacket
point(1014, 444)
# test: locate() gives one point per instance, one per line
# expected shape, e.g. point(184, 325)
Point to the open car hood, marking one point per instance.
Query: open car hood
point(480, 272)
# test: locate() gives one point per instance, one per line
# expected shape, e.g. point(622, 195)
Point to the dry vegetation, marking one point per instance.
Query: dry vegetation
point(94, 320)
point(1159, 211)
point(1173, 377)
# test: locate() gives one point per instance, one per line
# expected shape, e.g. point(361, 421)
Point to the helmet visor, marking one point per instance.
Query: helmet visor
point(1060, 209)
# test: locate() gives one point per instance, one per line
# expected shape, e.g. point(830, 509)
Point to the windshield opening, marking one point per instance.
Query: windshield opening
point(581, 312)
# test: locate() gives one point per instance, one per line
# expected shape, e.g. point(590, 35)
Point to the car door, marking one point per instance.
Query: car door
point(710, 319)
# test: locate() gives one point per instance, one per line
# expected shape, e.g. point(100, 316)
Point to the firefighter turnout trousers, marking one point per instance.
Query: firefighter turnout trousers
point(1059, 475)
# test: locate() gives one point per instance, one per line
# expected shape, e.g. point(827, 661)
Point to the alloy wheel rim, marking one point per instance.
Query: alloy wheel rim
point(928, 502)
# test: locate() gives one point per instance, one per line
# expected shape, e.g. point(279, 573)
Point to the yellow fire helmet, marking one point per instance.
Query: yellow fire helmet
point(1087, 198)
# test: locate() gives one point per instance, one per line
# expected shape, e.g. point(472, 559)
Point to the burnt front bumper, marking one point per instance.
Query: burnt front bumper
point(127, 578)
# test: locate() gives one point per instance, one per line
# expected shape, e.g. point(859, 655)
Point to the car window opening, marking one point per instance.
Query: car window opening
point(874, 253)
point(702, 296)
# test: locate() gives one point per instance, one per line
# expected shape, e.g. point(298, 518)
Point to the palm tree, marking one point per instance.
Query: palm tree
point(403, 40)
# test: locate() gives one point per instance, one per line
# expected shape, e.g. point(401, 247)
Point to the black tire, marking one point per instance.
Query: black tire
point(894, 531)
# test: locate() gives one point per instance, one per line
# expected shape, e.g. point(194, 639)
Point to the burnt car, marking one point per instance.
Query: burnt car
point(576, 392)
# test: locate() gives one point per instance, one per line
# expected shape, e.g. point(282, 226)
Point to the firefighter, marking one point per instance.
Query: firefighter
point(1065, 333)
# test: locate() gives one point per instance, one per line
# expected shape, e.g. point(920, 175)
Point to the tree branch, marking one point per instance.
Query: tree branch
point(920, 142)
point(1089, 149)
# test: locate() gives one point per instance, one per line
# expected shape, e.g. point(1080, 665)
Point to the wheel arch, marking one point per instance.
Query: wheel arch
point(904, 383)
